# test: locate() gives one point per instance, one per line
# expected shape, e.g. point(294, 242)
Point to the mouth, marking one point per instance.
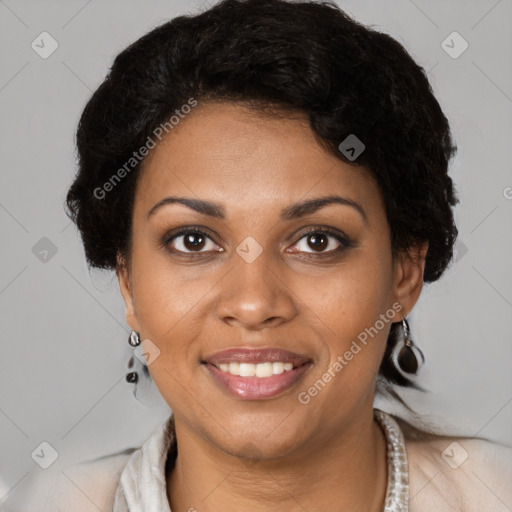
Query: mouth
point(256, 374)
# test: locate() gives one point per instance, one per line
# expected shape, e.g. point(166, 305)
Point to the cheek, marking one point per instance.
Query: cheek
point(168, 304)
point(357, 309)
point(359, 327)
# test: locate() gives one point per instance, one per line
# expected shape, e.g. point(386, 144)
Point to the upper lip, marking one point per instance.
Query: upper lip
point(256, 355)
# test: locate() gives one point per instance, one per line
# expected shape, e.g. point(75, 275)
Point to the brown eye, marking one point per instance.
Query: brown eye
point(191, 241)
point(194, 241)
point(318, 241)
point(322, 241)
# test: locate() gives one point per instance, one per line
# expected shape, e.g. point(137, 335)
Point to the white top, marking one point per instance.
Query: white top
point(437, 473)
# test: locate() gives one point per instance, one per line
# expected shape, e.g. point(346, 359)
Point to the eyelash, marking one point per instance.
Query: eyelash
point(341, 238)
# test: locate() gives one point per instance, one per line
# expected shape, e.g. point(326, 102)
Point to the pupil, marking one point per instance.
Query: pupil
point(319, 241)
point(189, 243)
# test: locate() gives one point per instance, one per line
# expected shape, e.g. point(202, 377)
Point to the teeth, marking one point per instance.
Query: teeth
point(247, 370)
point(266, 369)
point(277, 368)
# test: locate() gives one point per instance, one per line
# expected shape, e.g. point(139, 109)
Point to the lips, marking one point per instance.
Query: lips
point(255, 356)
point(254, 387)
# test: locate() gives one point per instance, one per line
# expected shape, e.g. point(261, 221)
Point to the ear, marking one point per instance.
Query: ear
point(125, 286)
point(408, 276)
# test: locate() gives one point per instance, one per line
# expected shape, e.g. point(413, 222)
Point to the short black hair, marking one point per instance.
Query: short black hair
point(310, 56)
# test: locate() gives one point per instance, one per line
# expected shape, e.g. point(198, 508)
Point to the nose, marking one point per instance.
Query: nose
point(254, 296)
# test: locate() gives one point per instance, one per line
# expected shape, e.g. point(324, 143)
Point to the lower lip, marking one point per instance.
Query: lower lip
point(257, 388)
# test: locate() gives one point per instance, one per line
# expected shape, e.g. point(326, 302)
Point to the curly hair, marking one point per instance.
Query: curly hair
point(305, 56)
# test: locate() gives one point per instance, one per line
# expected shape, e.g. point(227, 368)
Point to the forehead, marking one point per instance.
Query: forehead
point(228, 153)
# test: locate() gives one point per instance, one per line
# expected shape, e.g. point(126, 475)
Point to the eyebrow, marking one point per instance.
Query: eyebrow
point(291, 212)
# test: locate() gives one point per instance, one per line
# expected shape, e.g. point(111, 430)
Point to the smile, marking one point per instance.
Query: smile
point(260, 370)
point(256, 374)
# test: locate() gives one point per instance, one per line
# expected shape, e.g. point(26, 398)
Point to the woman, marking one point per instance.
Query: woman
point(269, 181)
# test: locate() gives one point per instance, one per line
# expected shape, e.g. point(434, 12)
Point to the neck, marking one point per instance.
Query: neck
point(345, 470)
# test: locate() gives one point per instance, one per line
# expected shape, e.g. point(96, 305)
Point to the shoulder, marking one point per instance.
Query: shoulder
point(457, 473)
point(86, 486)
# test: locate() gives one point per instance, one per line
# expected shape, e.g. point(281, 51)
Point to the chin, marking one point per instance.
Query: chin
point(262, 436)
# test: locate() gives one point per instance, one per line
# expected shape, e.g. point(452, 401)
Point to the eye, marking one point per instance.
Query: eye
point(190, 241)
point(322, 241)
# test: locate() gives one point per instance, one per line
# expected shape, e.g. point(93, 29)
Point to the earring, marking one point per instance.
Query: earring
point(134, 341)
point(406, 358)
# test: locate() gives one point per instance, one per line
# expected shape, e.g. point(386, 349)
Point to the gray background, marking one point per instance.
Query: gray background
point(64, 339)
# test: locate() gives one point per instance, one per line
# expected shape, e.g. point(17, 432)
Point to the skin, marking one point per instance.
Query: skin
point(265, 454)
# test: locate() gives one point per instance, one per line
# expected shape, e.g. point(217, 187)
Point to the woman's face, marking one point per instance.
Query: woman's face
point(254, 277)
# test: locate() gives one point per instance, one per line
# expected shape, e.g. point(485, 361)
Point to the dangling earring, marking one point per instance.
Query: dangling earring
point(406, 358)
point(134, 341)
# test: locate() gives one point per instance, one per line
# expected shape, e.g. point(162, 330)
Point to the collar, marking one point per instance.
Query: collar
point(142, 486)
